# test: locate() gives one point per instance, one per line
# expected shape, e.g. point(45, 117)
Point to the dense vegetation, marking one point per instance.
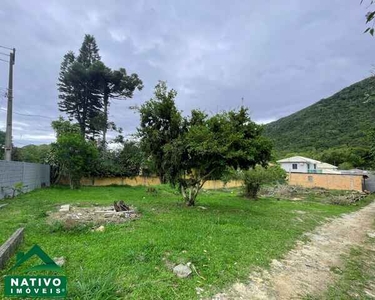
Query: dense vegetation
point(341, 122)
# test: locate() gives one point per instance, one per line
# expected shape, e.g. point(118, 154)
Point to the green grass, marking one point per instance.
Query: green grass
point(224, 241)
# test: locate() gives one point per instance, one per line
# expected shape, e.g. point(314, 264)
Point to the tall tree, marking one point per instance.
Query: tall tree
point(160, 124)
point(79, 86)
point(89, 52)
point(86, 86)
point(118, 85)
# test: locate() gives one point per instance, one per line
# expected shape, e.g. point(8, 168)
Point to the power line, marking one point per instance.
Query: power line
point(6, 47)
point(4, 54)
point(7, 61)
point(29, 115)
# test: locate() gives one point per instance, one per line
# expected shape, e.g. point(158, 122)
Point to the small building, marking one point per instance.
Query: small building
point(300, 164)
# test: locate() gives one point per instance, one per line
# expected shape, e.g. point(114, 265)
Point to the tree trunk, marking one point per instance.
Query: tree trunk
point(162, 178)
point(105, 120)
point(190, 193)
point(251, 191)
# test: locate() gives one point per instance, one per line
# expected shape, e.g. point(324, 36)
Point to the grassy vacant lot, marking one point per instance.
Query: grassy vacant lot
point(223, 241)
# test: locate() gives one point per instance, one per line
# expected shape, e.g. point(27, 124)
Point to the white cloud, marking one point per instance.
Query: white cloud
point(117, 35)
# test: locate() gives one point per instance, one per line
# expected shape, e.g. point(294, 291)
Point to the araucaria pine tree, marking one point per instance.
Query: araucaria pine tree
point(86, 86)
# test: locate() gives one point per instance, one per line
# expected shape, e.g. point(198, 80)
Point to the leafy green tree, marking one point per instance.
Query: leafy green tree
point(131, 158)
point(62, 126)
point(75, 156)
point(125, 162)
point(33, 154)
point(345, 166)
point(358, 157)
point(254, 178)
point(160, 124)
point(207, 147)
point(71, 155)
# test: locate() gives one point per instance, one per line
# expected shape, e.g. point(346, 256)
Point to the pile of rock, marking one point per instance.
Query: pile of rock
point(92, 214)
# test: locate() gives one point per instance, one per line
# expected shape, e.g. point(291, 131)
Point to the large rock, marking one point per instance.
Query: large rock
point(182, 271)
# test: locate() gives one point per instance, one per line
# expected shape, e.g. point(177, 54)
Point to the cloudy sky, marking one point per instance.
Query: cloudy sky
point(280, 56)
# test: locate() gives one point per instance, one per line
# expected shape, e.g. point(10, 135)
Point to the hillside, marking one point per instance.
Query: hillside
point(338, 121)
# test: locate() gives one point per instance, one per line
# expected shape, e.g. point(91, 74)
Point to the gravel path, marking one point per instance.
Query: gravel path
point(307, 269)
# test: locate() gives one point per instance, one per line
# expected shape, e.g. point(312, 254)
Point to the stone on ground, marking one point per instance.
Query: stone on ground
point(64, 208)
point(182, 271)
point(100, 228)
point(60, 261)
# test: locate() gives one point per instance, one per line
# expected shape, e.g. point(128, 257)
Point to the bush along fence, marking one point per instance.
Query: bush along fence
point(21, 177)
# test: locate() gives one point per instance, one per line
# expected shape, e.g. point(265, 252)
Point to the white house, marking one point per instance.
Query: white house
point(328, 168)
point(299, 164)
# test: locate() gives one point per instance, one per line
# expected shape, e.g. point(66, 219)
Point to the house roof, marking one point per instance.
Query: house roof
point(298, 159)
point(324, 165)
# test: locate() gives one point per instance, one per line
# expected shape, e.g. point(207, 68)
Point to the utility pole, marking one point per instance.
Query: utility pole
point(8, 134)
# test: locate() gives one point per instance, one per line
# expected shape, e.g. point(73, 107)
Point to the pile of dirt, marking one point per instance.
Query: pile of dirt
point(91, 215)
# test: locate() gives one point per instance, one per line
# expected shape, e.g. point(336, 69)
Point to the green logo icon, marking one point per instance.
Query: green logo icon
point(41, 286)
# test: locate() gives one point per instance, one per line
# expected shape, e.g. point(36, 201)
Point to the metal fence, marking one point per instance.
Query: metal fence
point(16, 177)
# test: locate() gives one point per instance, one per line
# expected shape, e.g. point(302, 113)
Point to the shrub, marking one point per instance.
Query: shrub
point(258, 176)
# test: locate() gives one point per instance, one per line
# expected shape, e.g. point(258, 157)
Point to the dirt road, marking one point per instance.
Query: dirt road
point(307, 269)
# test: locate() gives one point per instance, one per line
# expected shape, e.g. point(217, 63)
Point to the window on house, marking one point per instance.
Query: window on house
point(310, 178)
point(315, 166)
point(308, 166)
point(294, 166)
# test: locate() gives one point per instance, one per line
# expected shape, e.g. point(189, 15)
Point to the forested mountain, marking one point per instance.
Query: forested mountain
point(342, 121)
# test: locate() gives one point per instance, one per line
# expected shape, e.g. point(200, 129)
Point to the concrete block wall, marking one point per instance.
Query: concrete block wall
point(327, 181)
point(31, 175)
